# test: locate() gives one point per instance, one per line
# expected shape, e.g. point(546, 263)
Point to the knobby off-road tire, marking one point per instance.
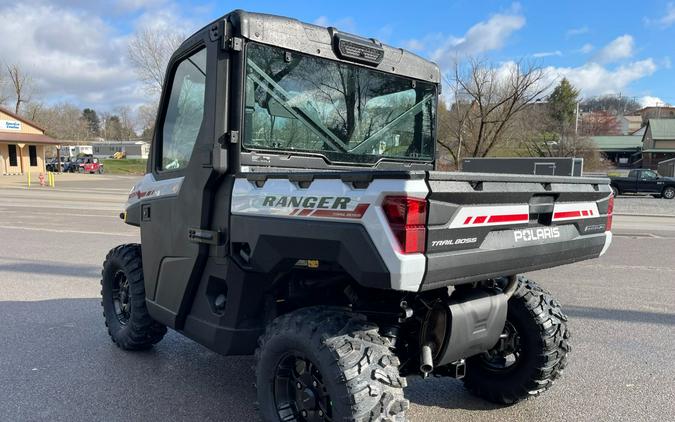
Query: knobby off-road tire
point(351, 368)
point(123, 300)
point(543, 343)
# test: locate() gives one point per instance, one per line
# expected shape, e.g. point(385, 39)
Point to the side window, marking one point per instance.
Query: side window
point(648, 175)
point(184, 112)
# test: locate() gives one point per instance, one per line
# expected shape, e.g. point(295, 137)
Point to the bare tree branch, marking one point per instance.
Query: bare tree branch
point(21, 84)
point(149, 51)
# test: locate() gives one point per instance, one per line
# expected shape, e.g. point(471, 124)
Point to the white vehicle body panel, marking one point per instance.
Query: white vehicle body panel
point(364, 207)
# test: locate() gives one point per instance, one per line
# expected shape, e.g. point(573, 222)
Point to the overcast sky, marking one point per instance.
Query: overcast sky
point(76, 50)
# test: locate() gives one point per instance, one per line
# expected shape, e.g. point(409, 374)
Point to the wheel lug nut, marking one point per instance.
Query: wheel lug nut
point(315, 384)
point(299, 386)
point(321, 413)
point(304, 413)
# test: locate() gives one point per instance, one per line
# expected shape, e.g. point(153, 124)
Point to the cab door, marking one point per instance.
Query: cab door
point(181, 170)
point(648, 182)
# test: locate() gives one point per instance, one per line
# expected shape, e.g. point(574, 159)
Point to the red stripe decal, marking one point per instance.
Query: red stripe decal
point(590, 212)
point(509, 218)
point(480, 220)
point(566, 214)
point(355, 213)
point(467, 221)
point(584, 213)
point(306, 211)
point(295, 211)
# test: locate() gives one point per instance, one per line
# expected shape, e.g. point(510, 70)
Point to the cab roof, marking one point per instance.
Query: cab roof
point(292, 34)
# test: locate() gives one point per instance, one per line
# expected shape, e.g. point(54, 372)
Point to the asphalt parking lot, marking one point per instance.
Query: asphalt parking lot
point(57, 363)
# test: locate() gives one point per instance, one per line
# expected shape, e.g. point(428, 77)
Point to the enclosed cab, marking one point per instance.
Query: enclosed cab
point(291, 210)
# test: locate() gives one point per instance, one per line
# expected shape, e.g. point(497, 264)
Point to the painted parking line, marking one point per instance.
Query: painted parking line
point(37, 229)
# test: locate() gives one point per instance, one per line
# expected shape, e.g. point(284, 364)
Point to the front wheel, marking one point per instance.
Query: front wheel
point(531, 354)
point(123, 300)
point(669, 192)
point(319, 364)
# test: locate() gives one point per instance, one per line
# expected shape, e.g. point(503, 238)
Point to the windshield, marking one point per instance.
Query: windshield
point(344, 112)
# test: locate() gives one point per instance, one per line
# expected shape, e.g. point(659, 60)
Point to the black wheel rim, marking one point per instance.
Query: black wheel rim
point(299, 391)
point(120, 297)
point(506, 354)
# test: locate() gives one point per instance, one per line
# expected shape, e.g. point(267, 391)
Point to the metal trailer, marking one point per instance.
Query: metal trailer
point(545, 166)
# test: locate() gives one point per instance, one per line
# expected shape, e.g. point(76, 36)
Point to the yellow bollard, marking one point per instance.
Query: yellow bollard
point(53, 179)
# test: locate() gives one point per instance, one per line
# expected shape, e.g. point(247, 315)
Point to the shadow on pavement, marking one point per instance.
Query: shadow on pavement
point(446, 393)
point(49, 267)
point(620, 315)
point(58, 363)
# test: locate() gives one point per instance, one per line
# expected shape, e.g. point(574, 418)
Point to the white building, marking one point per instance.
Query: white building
point(133, 149)
point(74, 150)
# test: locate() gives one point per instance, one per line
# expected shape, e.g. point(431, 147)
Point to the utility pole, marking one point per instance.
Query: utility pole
point(576, 120)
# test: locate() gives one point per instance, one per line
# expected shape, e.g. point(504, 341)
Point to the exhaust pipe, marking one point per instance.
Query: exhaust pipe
point(426, 360)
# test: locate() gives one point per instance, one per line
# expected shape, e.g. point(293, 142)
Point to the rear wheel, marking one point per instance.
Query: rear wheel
point(531, 354)
point(669, 192)
point(123, 300)
point(324, 364)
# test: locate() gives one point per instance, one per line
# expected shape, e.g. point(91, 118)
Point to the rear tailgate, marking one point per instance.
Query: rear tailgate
point(488, 225)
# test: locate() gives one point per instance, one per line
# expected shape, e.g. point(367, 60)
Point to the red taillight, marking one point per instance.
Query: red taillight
point(407, 218)
point(610, 211)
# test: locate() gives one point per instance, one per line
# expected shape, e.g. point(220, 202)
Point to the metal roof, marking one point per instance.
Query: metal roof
point(662, 128)
point(617, 143)
point(29, 138)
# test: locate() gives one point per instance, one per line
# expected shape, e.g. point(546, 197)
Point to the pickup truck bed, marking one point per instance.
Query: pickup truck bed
point(477, 226)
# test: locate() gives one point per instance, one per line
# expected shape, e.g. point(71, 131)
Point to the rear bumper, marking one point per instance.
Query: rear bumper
point(459, 267)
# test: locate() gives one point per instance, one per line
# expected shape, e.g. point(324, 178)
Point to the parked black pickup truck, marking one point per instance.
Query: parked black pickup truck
point(644, 181)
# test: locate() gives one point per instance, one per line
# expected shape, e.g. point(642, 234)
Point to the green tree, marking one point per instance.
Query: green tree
point(91, 119)
point(113, 128)
point(563, 103)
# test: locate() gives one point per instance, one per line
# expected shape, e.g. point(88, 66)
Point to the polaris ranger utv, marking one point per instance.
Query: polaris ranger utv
point(291, 210)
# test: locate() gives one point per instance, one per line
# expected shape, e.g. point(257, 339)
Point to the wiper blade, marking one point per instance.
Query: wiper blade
point(361, 147)
point(278, 93)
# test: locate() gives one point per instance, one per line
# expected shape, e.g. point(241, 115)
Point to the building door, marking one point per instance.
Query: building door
point(32, 155)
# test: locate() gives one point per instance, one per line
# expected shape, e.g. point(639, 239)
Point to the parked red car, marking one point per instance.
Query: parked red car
point(89, 165)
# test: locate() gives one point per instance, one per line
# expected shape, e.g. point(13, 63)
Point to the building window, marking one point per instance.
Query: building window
point(32, 155)
point(12, 155)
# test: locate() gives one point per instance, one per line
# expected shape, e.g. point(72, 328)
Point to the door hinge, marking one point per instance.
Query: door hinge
point(231, 137)
point(203, 236)
point(233, 43)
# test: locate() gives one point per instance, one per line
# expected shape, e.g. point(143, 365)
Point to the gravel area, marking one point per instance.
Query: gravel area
point(644, 205)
